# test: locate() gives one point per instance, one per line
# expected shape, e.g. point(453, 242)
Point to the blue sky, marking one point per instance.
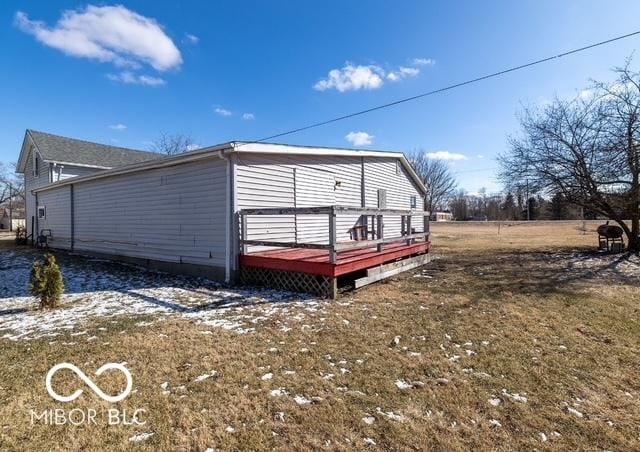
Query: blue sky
point(222, 71)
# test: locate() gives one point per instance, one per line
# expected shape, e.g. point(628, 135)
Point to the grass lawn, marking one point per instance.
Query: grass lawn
point(521, 337)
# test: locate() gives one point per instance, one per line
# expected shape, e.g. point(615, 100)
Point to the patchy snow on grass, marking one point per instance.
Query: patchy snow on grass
point(390, 415)
point(102, 289)
point(515, 396)
point(574, 412)
point(203, 377)
point(280, 392)
point(403, 385)
point(139, 437)
point(301, 400)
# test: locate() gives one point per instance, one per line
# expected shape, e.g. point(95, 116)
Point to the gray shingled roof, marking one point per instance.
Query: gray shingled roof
point(55, 148)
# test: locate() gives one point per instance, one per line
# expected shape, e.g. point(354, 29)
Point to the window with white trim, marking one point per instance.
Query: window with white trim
point(413, 202)
point(398, 168)
point(35, 170)
point(42, 212)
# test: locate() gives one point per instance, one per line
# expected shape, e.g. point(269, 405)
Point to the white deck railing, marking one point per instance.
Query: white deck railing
point(332, 212)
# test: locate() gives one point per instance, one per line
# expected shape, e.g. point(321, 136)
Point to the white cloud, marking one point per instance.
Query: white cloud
point(193, 147)
point(352, 78)
point(480, 156)
point(117, 126)
point(423, 62)
point(445, 155)
point(359, 138)
point(112, 34)
point(192, 39)
point(222, 111)
point(402, 72)
point(129, 78)
point(248, 116)
point(355, 77)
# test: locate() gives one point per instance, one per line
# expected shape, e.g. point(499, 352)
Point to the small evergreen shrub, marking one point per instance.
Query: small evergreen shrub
point(46, 282)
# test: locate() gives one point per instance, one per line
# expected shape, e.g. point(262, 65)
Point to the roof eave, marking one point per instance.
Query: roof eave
point(22, 159)
point(196, 155)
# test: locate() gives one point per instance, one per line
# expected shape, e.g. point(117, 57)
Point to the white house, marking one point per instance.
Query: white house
point(180, 213)
point(442, 216)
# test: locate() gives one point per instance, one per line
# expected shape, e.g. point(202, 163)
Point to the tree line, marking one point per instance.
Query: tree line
point(575, 158)
point(516, 206)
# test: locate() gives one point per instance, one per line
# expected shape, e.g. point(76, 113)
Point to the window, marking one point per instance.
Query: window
point(398, 168)
point(412, 202)
point(42, 212)
point(36, 168)
point(382, 198)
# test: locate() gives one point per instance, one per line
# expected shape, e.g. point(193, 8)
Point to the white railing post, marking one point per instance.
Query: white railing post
point(332, 236)
point(380, 232)
point(243, 233)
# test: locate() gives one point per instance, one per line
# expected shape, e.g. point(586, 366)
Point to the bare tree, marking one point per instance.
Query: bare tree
point(173, 144)
point(586, 149)
point(11, 192)
point(436, 176)
point(11, 186)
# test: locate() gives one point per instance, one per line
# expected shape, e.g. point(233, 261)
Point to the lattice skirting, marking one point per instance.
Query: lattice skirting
point(285, 280)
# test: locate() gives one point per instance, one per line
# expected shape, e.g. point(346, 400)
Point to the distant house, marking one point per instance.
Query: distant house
point(441, 216)
point(5, 219)
point(230, 208)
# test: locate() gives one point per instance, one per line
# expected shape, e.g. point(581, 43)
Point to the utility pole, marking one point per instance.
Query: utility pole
point(10, 207)
point(528, 212)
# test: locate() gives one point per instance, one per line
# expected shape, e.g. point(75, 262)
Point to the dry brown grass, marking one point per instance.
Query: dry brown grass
point(538, 327)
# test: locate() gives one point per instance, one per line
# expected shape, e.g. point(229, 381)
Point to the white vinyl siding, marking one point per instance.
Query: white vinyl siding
point(69, 171)
point(172, 214)
point(57, 203)
point(313, 188)
point(270, 181)
point(31, 182)
point(46, 174)
point(381, 173)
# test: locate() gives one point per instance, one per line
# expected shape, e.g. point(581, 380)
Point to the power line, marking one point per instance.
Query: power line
point(448, 88)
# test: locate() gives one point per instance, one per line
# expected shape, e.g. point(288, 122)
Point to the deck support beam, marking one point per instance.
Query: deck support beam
point(333, 288)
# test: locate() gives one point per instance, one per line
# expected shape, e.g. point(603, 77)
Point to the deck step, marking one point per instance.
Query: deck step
point(385, 271)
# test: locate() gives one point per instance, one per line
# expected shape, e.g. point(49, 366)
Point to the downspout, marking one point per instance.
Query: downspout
point(34, 233)
point(227, 233)
point(72, 211)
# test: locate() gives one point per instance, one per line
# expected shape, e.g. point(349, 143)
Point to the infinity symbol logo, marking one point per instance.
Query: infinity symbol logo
point(91, 384)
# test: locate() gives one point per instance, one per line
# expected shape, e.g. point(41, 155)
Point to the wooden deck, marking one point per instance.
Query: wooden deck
point(317, 262)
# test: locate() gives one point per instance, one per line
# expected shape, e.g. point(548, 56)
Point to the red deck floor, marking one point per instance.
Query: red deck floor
point(317, 262)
